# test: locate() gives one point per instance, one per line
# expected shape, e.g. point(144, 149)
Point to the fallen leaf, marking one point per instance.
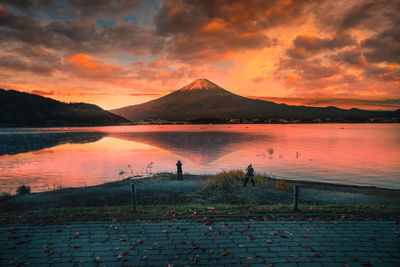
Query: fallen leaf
point(317, 255)
point(304, 246)
point(225, 253)
point(77, 246)
point(229, 232)
point(269, 241)
point(284, 236)
point(241, 246)
point(372, 238)
point(58, 230)
point(144, 257)
point(366, 263)
point(125, 253)
point(208, 223)
point(305, 236)
point(119, 257)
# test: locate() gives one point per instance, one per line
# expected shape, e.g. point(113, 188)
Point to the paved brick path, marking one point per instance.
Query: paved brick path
point(254, 243)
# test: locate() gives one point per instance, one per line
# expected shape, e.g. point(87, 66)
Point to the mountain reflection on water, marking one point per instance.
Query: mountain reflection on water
point(199, 147)
point(11, 144)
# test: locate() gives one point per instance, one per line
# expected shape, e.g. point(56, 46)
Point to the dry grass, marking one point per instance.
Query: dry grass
point(283, 185)
point(227, 180)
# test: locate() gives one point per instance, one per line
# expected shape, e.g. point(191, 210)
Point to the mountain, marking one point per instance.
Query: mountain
point(203, 100)
point(23, 109)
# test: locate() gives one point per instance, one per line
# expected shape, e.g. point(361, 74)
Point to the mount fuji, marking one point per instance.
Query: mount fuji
point(203, 99)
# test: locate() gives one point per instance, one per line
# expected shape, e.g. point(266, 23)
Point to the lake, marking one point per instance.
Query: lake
point(48, 158)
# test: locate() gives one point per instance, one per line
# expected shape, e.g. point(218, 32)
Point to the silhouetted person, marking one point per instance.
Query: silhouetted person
point(179, 169)
point(249, 175)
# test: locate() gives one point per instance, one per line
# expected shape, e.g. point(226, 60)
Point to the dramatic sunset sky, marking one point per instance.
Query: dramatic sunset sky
point(117, 53)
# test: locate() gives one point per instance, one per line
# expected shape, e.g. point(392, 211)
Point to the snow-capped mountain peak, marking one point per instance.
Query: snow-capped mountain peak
point(201, 84)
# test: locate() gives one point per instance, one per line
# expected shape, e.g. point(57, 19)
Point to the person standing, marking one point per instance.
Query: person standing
point(249, 176)
point(179, 170)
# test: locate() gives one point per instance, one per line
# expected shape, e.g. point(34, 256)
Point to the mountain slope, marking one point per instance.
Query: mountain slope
point(204, 99)
point(23, 109)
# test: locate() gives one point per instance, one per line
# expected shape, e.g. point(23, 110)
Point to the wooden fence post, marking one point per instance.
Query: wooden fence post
point(133, 197)
point(295, 197)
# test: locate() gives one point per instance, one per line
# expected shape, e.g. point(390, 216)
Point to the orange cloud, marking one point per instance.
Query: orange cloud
point(158, 64)
point(87, 66)
point(291, 78)
point(214, 26)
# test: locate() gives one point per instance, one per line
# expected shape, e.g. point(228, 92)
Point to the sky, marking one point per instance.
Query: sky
point(343, 53)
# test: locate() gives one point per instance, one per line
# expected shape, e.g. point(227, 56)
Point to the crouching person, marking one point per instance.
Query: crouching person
point(249, 176)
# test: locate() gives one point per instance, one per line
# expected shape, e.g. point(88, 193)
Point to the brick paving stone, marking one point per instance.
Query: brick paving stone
point(187, 242)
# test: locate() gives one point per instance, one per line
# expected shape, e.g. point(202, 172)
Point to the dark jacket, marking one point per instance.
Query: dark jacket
point(249, 171)
point(179, 166)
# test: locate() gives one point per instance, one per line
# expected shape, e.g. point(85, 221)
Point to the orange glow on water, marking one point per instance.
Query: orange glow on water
point(363, 154)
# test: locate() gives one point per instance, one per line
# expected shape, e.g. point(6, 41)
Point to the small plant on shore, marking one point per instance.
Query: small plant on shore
point(5, 196)
point(260, 180)
point(226, 180)
point(283, 185)
point(23, 189)
point(57, 186)
point(122, 174)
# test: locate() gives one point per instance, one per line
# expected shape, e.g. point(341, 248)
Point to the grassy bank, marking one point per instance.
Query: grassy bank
point(163, 195)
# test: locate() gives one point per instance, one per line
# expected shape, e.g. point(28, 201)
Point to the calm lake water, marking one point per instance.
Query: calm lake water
point(46, 158)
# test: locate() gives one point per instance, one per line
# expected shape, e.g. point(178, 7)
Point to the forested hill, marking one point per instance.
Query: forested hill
point(24, 109)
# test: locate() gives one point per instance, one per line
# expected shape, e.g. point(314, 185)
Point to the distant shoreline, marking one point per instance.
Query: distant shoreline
point(197, 123)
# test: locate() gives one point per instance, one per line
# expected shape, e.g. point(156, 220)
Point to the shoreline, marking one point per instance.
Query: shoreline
point(168, 184)
point(162, 196)
point(329, 186)
point(2, 126)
